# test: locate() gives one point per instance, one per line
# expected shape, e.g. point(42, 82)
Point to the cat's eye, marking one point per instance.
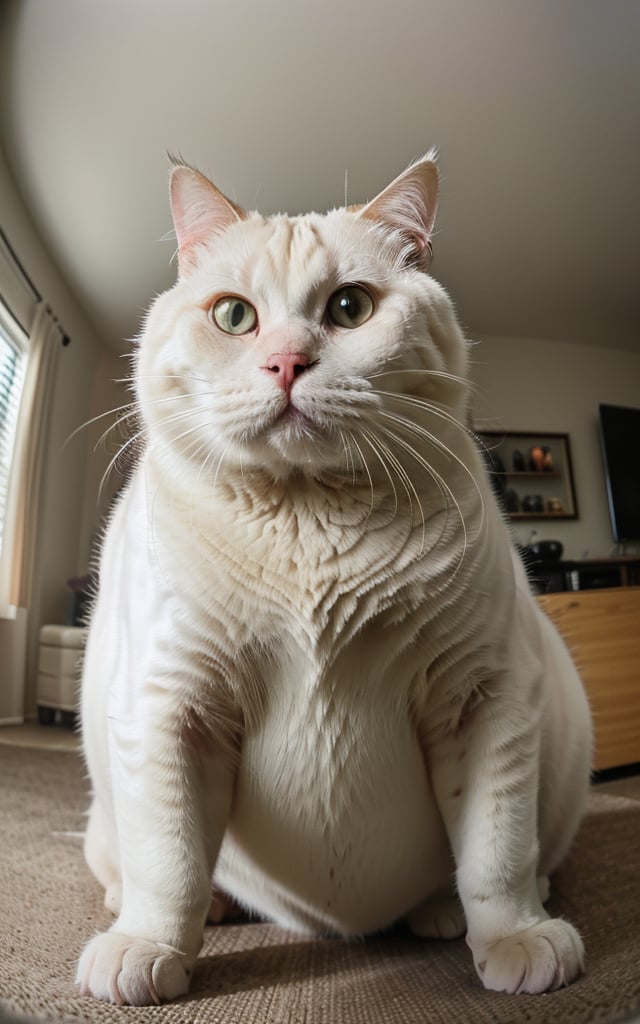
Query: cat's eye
point(234, 315)
point(350, 306)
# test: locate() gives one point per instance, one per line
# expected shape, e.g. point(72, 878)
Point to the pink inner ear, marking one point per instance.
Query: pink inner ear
point(199, 210)
point(409, 205)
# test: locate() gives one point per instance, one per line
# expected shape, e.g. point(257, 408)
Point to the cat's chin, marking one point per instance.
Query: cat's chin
point(292, 450)
point(301, 457)
point(298, 443)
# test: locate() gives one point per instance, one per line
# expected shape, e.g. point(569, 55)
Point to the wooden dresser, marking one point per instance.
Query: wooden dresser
point(602, 631)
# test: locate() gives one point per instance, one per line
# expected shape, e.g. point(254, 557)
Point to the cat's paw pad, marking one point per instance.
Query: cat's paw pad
point(438, 919)
point(128, 971)
point(541, 958)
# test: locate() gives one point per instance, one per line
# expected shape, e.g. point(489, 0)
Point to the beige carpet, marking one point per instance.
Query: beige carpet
point(258, 974)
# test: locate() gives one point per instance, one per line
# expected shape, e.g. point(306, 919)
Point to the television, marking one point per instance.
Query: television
point(620, 437)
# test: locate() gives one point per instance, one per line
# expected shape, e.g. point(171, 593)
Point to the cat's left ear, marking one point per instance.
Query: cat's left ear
point(408, 207)
point(199, 211)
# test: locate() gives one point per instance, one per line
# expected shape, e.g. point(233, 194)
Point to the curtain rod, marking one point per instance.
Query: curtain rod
point(66, 340)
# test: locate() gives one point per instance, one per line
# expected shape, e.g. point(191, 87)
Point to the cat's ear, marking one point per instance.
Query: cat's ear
point(199, 211)
point(408, 207)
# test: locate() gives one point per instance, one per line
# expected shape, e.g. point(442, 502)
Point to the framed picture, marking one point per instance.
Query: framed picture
point(532, 473)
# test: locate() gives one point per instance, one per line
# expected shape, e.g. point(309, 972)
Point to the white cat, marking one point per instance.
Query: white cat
point(315, 672)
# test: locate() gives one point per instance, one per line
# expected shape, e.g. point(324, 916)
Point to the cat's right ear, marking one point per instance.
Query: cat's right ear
point(199, 211)
point(408, 208)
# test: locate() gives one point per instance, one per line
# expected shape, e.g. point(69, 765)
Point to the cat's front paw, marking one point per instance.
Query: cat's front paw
point(129, 971)
point(541, 958)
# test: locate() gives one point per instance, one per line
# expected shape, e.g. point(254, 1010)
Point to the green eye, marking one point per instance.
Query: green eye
point(234, 315)
point(350, 306)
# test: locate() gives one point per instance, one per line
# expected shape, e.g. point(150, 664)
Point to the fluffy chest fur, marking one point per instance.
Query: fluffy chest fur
point(309, 602)
point(310, 555)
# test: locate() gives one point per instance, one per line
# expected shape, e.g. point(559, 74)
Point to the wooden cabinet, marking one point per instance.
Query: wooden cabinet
point(595, 573)
point(602, 631)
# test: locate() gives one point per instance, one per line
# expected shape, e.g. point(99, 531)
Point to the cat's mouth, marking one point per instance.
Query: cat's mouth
point(294, 415)
point(297, 436)
point(293, 425)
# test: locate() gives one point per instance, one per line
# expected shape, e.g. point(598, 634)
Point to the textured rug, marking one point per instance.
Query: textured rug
point(255, 973)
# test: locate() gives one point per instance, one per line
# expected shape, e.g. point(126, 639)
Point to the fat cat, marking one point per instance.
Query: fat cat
point(316, 678)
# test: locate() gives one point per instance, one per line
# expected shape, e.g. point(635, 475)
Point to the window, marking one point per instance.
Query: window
point(13, 359)
point(30, 341)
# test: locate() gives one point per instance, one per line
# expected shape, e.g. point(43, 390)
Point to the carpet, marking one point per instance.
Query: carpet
point(256, 973)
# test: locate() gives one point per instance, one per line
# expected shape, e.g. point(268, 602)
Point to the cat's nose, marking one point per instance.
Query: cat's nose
point(285, 367)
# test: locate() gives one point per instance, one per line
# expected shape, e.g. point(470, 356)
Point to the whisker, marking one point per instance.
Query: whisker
point(136, 412)
point(420, 431)
point(374, 448)
point(430, 407)
point(210, 454)
point(135, 437)
point(163, 443)
point(220, 461)
point(407, 484)
point(129, 410)
point(366, 469)
point(444, 374)
point(94, 419)
point(161, 376)
point(175, 438)
point(442, 485)
point(120, 422)
point(443, 488)
point(348, 456)
point(113, 461)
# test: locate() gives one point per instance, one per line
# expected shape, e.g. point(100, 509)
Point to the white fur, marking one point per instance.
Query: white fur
point(315, 669)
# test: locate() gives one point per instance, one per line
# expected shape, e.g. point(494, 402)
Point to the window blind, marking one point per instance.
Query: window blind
point(13, 359)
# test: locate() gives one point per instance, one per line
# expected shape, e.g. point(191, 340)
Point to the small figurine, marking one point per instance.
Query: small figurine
point(511, 501)
point(547, 460)
point(554, 505)
point(517, 461)
point(536, 458)
point(532, 503)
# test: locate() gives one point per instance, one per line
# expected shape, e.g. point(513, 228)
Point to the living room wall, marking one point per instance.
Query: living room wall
point(61, 523)
point(528, 384)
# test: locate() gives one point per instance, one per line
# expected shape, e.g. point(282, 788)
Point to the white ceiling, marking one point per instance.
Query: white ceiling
point(534, 105)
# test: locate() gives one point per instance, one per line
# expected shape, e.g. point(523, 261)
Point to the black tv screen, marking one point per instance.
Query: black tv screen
point(620, 435)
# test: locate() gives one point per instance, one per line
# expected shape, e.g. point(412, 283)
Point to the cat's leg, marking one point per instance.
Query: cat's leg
point(544, 888)
point(100, 853)
point(439, 917)
point(566, 754)
point(100, 846)
point(442, 916)
point(172, 798)
point(485, 777)
point(222, 907)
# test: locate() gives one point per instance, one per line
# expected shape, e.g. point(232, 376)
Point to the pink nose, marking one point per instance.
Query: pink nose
point(285, 367)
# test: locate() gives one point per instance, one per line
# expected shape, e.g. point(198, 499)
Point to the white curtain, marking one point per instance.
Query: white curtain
point(20, 534)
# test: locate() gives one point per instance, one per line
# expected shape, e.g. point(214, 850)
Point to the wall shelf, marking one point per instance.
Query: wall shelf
point(548, 475)
point(528, 492)
point(539, 515)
